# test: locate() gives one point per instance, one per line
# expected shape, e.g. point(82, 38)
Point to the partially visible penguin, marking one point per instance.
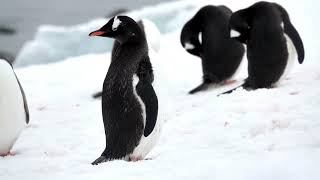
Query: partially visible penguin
point(14, 113)
point(272, 43)
point(220, 55)
point(152, 35)
point(129, 101)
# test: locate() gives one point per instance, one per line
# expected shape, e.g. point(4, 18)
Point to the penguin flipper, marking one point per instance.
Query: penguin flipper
point(149, 98)
point(25, 104)
point(292, 33)
point(294, 36)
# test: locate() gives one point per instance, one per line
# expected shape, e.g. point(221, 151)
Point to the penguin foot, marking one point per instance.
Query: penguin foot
point(7, 154)
point(101, 159)
point(135, 159)
point(230, 81)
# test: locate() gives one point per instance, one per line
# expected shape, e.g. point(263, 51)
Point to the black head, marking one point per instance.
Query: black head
point(122, 28)
point(239, 26)
point(189, 37)
point(261, 15)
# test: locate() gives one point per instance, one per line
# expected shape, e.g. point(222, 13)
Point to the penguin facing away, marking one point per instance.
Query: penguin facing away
point(14, 113)
point(220, 55)
point(129, 102)
point(272, 43)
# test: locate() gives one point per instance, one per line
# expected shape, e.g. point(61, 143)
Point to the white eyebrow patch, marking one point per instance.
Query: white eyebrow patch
point(282, 25)
point(188, 46)
point(116, 23)
point(234, 33)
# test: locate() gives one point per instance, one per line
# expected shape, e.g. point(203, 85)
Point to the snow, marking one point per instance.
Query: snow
point(263, 134)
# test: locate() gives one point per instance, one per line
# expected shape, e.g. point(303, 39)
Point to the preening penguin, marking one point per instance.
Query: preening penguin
point(129, 102)
point(14, 113)
point(270, 37)
point(220, 55)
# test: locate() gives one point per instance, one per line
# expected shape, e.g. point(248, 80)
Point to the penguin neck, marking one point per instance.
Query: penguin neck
point(125, 64)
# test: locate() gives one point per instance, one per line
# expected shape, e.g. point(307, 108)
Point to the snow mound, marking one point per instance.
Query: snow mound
point(55, 43)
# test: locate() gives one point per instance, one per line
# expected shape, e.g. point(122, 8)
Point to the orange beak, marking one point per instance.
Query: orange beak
point(97, 33)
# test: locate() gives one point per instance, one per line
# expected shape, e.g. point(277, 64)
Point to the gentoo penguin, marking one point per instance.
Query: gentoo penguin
point(152, 35)
point(14, 113)
point(221, 55)
point(129, 102)
point(270, 37)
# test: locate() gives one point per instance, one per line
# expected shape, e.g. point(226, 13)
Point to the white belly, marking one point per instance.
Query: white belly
point(146, 144)
point(292, 57)
point(12, 113)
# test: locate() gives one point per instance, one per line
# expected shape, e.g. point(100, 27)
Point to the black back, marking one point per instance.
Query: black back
point(221, 55)
point(260, 28)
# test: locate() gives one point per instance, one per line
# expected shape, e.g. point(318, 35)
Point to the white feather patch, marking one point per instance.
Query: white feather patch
point(135, 81)
point(188, 46)
point(200, 37)
point(282, 25)
point(292, 58)
point(234, 33)
point(116, 23)
point(146, 144)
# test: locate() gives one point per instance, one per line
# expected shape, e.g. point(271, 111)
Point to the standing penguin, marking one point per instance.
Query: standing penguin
point(152, 35)
point(272, 42)
point(14, 113)
point(221, 55)
point(129, 102)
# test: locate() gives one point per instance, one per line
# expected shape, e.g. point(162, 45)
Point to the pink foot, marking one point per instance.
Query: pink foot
point(230, 81)
point(135, 159)
point(7, 154)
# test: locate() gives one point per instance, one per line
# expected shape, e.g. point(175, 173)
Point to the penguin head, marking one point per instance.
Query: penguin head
point(121, 28)
point(239, 26)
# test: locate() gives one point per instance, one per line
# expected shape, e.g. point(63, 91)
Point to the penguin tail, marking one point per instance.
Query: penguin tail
point(201, 87)
point(231, 90)
point(101, 159)
point(97, 95)
point(105, 157)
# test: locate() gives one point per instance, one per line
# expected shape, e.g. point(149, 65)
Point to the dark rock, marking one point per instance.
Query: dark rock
point(7, 30)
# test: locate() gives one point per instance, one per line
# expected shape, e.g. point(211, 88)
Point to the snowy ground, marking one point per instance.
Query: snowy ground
point(263, 134)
